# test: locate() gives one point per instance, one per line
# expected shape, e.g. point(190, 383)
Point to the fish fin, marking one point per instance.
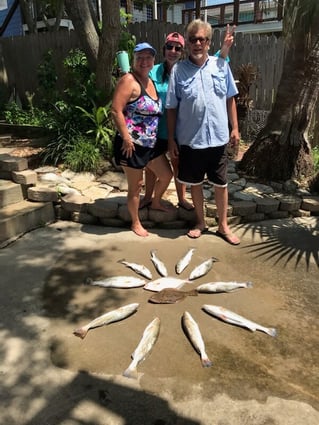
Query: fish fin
point(131, 372)
point(88, 281)
point(80, 332)
point(206, 362)
point(272, 332)
point(215, 259)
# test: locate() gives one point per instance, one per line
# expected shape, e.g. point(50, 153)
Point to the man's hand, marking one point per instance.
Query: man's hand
point(228, 41)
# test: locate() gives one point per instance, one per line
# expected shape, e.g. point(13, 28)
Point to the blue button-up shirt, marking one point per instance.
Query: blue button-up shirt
point(200, 95)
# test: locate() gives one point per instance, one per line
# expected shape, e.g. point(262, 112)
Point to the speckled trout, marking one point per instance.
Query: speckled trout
point(184, 261)
point(138, 268)
point(144, 347)
point(110, 317)
point(159, 265)
point(194, 334)
point(118, 282)
point(202, 268)
point(235, 319)
point(212, 287)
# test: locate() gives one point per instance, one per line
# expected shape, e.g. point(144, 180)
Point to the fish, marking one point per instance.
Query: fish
point(202, 268)
point(171, 296)
point(109, 317)
point(159, 265)
point(235, 319)
point(184, 261)
point(213, 287)
point(165, 282)
point(194, 334)
point(144, 347)
point(123, 282)
point(138, 268)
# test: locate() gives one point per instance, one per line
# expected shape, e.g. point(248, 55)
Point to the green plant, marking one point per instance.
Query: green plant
point(14, 114)
point(84, 156)
point(47, 91)
point(315, 154)
point(103, 128)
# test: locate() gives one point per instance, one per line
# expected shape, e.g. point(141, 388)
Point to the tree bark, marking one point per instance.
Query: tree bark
point(109, 41)
point(282, 150)
point(80, 13)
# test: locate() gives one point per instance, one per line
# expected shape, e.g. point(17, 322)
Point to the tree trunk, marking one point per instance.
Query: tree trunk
point(109, 42)
point(282, 150)
point(80, 13)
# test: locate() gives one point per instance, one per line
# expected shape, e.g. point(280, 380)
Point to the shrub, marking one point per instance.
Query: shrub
point(84, 156)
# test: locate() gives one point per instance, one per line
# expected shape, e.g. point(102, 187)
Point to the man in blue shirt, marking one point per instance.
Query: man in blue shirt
point(200, 106)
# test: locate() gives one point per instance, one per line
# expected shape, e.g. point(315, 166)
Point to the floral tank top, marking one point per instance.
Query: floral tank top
point(142, 117)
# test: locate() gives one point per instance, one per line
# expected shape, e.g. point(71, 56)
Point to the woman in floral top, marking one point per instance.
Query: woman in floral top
point(136, 109)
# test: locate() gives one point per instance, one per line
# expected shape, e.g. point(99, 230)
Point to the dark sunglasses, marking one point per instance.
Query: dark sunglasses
point(171, 47)
point(194, 40)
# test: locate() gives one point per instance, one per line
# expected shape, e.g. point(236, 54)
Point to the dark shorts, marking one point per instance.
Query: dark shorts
point(160, 147)
point(194, 164)
point(141, 156)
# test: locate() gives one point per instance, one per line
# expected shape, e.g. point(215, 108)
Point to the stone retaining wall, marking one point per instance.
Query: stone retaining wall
point(91, 199)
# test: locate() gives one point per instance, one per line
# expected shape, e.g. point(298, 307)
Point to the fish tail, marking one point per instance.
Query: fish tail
point(249, 285)
point(271, 331)
point(206, 362)
point(88, 281)
point(121, 261)
point(80, 332)
point(193, 293)
point(131, 372)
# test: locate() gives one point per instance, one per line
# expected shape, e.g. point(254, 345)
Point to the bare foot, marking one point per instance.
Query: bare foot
point(139, 230)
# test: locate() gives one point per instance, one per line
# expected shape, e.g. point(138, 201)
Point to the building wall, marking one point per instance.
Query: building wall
point(15, 25)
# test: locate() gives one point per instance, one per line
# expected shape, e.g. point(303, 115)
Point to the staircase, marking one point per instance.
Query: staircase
point(17, 214)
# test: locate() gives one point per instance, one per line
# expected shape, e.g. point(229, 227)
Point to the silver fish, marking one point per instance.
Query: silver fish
point(202, 268)
point(105, 319)
point(144, 347)
point(235, 319)
point(194, 334)
point(164, 283)
point(123, 282)
point(213, 287)
point(184, 261)
point(138, 268)
point(159, 265)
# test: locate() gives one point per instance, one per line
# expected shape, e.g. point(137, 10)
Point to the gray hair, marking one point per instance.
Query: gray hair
point(198, 24)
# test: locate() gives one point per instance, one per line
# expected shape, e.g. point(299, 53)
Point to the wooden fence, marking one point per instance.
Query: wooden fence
point(21, 56)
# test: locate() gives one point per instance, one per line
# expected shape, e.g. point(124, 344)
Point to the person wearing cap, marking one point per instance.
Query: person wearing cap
point(173, 51)
point(201, 105)
point(136, 109)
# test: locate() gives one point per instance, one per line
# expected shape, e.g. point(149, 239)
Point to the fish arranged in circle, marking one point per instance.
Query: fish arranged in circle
point(109, 317)
point(167, 290)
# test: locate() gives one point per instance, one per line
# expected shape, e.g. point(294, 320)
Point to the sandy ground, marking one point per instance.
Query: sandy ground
point(51, 377)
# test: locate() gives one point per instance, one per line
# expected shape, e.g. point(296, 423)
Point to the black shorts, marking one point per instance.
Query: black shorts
point(160, 147)
point(141, 156)
point(194, 164)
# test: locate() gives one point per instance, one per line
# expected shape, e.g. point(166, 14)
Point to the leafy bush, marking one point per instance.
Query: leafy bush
point(102, 127)
point(84, 156)
point(315, 154)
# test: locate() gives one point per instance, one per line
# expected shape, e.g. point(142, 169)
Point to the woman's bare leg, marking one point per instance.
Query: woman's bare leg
point(163, 171)
point(135, 182)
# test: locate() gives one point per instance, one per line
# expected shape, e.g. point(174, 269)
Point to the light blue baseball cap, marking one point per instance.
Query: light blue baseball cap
point(144, 46)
